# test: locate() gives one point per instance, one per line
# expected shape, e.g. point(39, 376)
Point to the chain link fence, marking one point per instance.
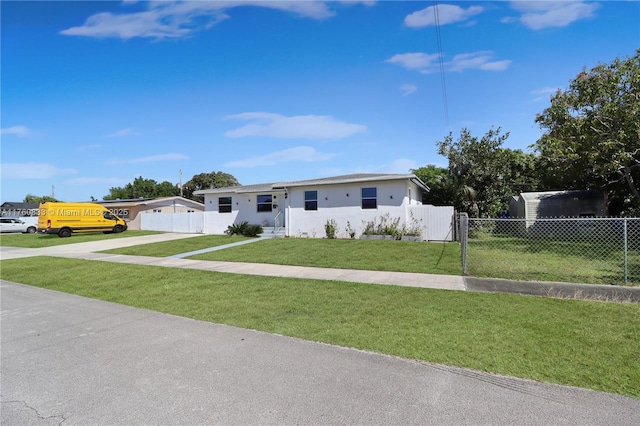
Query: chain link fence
point(578, 250)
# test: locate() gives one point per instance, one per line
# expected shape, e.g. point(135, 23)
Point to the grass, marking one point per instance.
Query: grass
point(40, 240)
point(579, 343)
point(549, 260)
point(170, 248)
point(399, 256)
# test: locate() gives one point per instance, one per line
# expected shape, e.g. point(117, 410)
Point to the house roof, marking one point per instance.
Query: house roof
point(568, 194)
point(11, 205)
point(353, 178)
point(10, 208)
point(147, 201)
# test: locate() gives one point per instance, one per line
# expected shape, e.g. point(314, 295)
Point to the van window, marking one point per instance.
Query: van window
point(108, 215)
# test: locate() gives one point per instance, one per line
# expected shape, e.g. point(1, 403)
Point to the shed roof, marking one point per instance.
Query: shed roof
point(573, 193)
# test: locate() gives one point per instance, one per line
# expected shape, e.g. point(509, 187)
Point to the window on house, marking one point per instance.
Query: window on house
point(224, 204)
point(311, 200)
point(265, 203)
point(369, 198)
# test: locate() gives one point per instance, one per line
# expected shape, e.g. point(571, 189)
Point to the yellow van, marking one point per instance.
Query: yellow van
point(67, 218)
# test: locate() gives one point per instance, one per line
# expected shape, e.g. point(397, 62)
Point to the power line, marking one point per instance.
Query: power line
point(441, 61)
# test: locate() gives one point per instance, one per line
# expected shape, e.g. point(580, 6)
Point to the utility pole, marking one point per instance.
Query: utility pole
point(53, 191)
point(180, 182)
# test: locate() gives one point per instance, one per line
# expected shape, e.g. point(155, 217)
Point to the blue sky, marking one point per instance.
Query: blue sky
point(97, 93)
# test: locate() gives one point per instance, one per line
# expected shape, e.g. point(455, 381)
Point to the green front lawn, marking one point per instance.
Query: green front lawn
point(399, 256)
point(580, 343)
point(41, 240)
point(170, 248)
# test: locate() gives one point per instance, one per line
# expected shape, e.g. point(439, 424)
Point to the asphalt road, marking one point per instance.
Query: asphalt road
point(75, 361)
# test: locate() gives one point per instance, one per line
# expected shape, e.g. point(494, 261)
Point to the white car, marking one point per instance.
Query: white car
point(16, 225)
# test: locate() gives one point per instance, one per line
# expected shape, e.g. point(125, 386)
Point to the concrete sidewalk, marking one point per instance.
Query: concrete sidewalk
point(90, 251)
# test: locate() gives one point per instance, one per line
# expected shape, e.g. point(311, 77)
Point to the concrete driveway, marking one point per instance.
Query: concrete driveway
point(77, 361)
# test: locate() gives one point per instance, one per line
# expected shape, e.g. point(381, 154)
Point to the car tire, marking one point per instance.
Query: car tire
point(64, 233)
point(117, 229)
point(31, 230)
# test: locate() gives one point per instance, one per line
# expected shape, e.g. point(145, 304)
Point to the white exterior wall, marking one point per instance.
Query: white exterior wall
point(397, 199)
point(243, 208)
point(334, 203)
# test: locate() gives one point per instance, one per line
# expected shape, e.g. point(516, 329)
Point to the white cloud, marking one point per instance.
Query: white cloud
point(265, 124)
point(477, 60)
point(97, 180)
point(400, 165)
point(19, 131)
point(150, 159)
point(539, 15)
point(86, 147)
point(427, 64)
point(305, 154)
point(447, 14)
point(414, 60)
point(543, 94)
point(408, 89)
point(33, 171)
point(121, 133)
point(164, 20)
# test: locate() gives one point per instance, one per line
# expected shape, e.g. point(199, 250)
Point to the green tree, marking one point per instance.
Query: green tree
point(592, 132)
point(30, 198)
point(206, 181)
point(483, 176)
point(143, 188)
point(442, 190)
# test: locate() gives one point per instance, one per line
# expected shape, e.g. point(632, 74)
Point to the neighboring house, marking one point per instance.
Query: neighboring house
point(302, 208)
point(19, 209)
point(555, 204)
point(130, 210)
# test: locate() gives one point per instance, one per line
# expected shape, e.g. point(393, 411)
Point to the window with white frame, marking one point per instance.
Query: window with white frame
point(369, 198)
point(311, 200)
point(265, 203)
point(224, 204)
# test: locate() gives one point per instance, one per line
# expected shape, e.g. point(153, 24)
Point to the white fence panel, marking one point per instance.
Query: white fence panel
point(173, 222)
point(437, 222)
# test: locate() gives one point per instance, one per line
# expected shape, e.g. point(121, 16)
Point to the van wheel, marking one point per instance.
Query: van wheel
point(31, 230)
point(64, 233)
point(117, 229)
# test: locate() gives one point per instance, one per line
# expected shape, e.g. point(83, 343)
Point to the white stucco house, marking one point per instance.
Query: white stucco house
point(302, 208)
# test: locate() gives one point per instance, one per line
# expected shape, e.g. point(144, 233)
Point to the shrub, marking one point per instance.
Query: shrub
point(237, 228)
point(244, 229)
point(330, 229)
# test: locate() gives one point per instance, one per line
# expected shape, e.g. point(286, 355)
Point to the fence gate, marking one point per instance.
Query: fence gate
point(437, 222)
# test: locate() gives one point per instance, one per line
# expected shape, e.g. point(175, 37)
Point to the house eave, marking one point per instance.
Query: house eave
point(340, 180)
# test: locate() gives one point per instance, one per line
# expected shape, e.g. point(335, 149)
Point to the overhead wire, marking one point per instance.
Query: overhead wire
point(443, 84)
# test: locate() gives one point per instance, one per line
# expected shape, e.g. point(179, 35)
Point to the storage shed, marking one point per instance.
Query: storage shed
point(555, 204)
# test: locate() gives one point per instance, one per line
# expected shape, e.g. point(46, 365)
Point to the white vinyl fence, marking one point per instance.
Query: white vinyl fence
point(190, 223)
point(437, 223)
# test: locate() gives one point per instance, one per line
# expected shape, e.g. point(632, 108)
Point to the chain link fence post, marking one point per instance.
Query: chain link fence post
point(464, 240)
point(626, 249)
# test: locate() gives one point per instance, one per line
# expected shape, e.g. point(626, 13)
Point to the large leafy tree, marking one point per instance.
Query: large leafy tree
point(592, 132)
point(30, 198)
point(143, 188)
point(206, 181)
point(483, 175)
point(441, 189)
